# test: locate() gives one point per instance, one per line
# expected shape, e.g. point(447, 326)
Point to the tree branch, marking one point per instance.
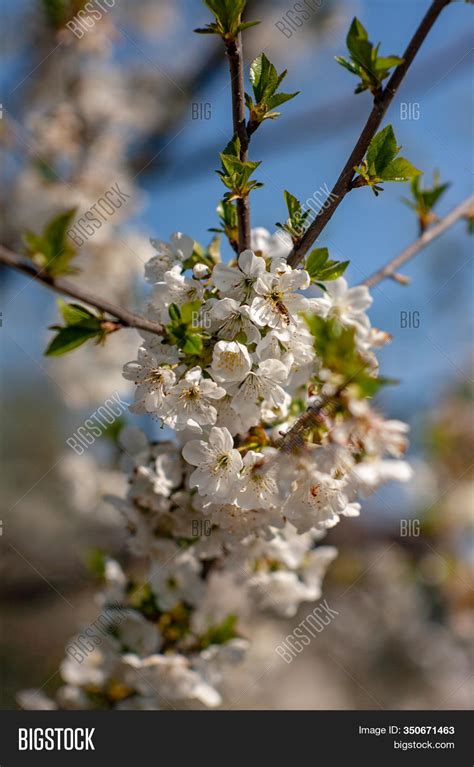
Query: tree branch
point(463, 210)
point(121, 316)
point(236, 68)
point(381, 104)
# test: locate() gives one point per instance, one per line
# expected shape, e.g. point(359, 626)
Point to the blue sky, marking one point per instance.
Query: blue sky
point(365, 230)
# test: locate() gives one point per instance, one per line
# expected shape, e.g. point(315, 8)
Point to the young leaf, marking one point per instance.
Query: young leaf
point(53, 250)
point(81, 325)
point(220, 633)
point(74, 314)
point(235, 173)
point(336, 346)
point(295, 225)
point(321, 269)
point(365, 62)
point(227, 213)
point(69, 338)
point(382, 150)
point(227, 14)
point(382, 164)
point(174, 312)
point(193, 344)
point(424, 200)
point(265, 82)
point(399, 170)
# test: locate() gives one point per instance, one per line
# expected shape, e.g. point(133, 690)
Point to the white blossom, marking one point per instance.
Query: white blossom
point(169, 255)
point(189, 404)
point(257, 489)
point(230, 361)
point(153, 382)
point(218, 464)
point(277, 304)
point(233, 318)
point(238, 282)
point(263, 383)
point(346, 304)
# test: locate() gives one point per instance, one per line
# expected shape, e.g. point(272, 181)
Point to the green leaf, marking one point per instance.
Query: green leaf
point(265, 81)
point(69, 338)
point(387, 62)
point(347, 65)
point(193, 344)
point(333, 270)
point(358, 44)
point(293, 205)
point(220, 633)
point(337, 348)
point(227, 14)
point(356, 32)
point(399, 170)
point(321, 269)
point(247, 24)
point(235, 173)
point(380, 163)
point(53, 250)
point(232, 149)
point(365, 62)
point(96, 562)
point(280, 98)
point(189, 311)
point(424, 200)
point(74, 314)
point(174, 312)
point(316, 260)
point(263, 76)
point(382, 149)
point(57, 229)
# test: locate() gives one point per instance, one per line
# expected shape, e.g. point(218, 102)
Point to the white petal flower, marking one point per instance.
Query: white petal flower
point(200, 271)
point(346, 304)
point(138, 634)
point(277, 305)
point(258, 489)
point(233, 420)
point(169, 255)
point(172, 677)
point(35, 700)
point(176, 289)
point(218, 464)
point(230, 361)
point(175, 576)
point(317, 500)
point(153, 382)
point(238, 281)
point(189, 403)
point(277, 245)
point(262, 384)
point(232, 318)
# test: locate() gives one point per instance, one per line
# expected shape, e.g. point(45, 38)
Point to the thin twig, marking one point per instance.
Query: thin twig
point(389, 270)
point(121, 316)
point(344, 182)
point(236, 68)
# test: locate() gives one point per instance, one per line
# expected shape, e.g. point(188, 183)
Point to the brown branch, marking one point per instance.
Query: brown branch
point(236, 68)
point(463, 210)
point(121, 316)
point(344, 183)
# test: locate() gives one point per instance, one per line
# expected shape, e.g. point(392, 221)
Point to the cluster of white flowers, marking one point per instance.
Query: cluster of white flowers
point(234, 370)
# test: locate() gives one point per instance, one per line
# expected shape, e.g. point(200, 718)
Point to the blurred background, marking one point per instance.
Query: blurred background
point(140, 100)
